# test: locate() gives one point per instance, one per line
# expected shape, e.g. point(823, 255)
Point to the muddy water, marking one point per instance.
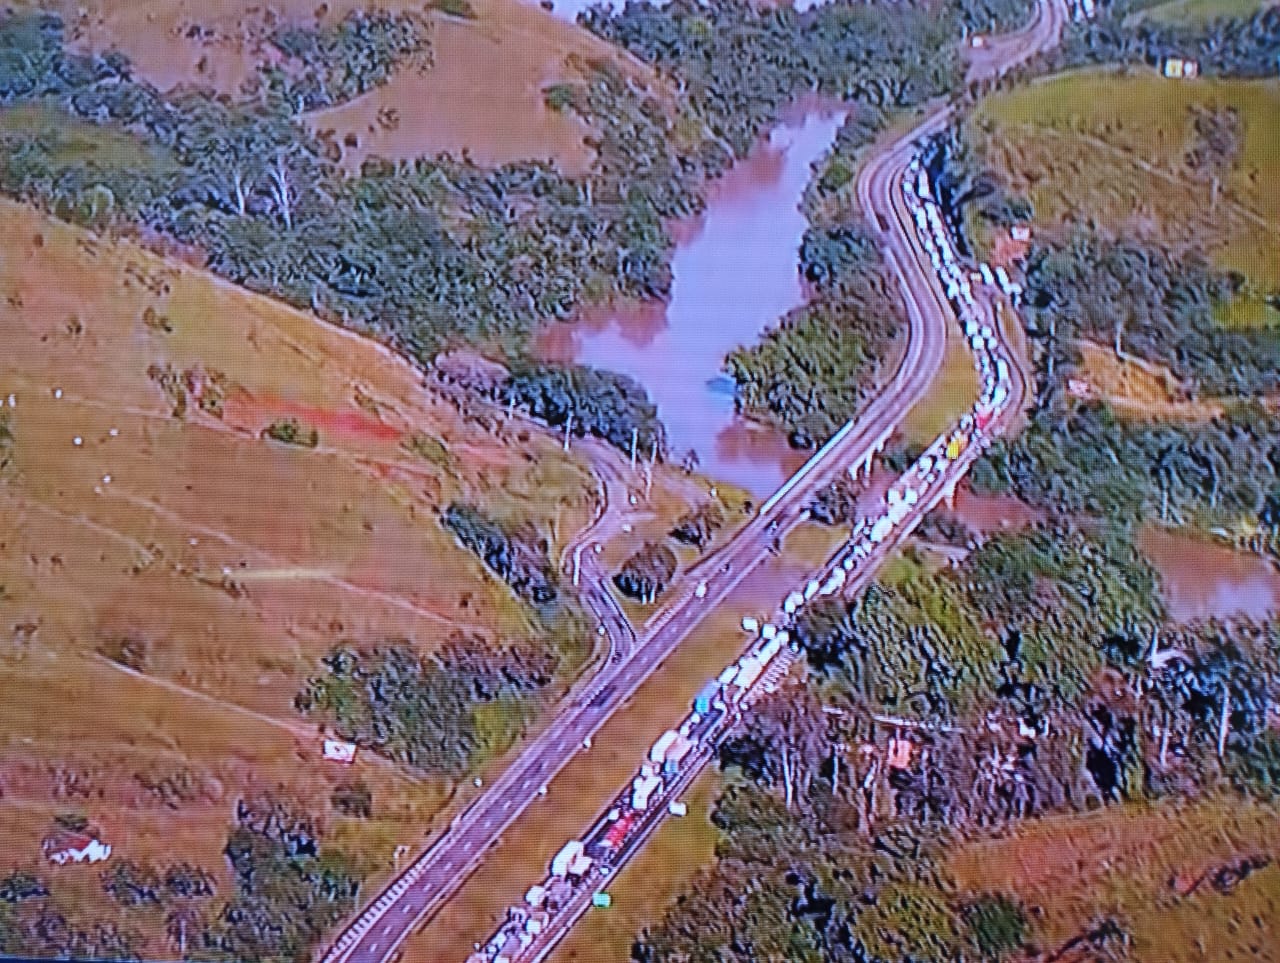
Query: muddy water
point(734, 274)
point(1201, 579)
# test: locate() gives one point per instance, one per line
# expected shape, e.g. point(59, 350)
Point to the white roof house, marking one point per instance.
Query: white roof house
point(63, 848)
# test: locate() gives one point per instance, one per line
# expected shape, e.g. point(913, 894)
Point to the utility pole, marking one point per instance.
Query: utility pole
point(577, 564)
point(635, 438)
point(1224, 725)
point(567, 426)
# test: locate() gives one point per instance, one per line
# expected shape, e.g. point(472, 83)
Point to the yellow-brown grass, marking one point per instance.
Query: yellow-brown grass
point(954, 391)
point(482, 93)
point(1140, 388)
point(237, 561)
point(1121, 860)
point(1105, 149)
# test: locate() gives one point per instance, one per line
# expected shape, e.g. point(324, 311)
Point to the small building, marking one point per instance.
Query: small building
point(1020, 232)
point(1179, 68)
point(336, 750)
point(66, 847)
point(1078, 388)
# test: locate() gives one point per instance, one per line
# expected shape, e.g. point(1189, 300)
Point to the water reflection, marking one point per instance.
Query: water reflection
point(734, 274)
point(1200, 579)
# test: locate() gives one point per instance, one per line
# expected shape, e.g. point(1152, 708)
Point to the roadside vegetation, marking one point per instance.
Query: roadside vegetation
point(1042, 680)
point(814, 370)
point(331, 65)
point(430, 713)
point(1237, 42)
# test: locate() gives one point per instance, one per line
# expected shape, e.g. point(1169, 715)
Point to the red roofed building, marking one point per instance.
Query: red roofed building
point(67, 847)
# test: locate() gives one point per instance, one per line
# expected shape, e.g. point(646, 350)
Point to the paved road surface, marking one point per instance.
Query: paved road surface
point(1001, 53)
point(434, 876)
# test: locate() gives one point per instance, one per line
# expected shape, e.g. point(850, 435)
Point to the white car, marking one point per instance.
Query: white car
point(701, 590)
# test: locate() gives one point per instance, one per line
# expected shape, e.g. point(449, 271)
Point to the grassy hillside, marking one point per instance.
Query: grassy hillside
point(1070, 871)
point(169, 576)
point(479, 85)
point(1110, 150)
point(1201, 11)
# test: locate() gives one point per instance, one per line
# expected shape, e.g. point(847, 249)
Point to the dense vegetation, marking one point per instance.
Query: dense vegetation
point(439, 713)
point(588, 401)
point(519, 558)
point(1152, 305)
point(1080, 456)
point(290, 891)
point(739, 65)
point(1041, 678)
point(329, 65)
point(812, 372)
point(1024, 611)
point(425, 254)
point(647, 573)
point(1224, 46)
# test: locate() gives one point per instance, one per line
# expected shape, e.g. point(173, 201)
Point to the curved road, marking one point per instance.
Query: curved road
point(433, 877)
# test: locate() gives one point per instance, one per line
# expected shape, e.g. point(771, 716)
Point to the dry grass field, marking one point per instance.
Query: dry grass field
point(953, 392)
point(230, 563)
point(482, 92)
point(1121, 861)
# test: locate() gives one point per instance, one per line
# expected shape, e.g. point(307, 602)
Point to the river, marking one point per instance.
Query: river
point(735, 273)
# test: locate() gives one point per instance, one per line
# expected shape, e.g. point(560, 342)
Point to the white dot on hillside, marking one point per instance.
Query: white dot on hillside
point(77, 441)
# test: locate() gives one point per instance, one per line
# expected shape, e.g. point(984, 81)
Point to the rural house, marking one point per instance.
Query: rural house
point(63, 848)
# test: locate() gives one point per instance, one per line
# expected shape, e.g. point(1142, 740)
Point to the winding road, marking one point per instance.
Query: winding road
point(435, 875)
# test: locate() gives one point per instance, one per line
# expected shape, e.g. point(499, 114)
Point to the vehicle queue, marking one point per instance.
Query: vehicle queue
point(583, 865)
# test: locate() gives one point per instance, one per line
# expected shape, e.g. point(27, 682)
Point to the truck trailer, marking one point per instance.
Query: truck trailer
point(642, 791)
point(562, 860)
point(658, 753)
point(702, 701)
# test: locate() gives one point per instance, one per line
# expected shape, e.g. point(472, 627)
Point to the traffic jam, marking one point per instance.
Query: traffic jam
point(579, 871)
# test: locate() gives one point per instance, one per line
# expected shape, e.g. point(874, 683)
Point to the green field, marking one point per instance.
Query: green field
point(1106, 149)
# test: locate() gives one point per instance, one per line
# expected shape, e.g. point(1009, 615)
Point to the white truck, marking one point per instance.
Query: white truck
point(749, 670)
point(880, 530)
point(562, 860)
point(642, 791)
point(658, 754)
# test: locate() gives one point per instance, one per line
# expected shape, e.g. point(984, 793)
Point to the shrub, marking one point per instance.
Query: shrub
point(997, 925)
point(646, 573)
point(290, 432)
point(353, 798)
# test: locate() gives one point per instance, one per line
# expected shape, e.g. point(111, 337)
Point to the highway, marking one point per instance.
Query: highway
point(434, 876)
point(1001, 53)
